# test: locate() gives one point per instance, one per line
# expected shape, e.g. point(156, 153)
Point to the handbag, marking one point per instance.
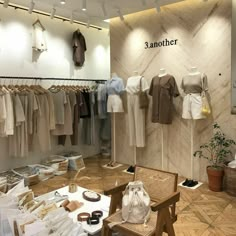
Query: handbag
point(205, 109)
point(135, 204)
point(143, 97)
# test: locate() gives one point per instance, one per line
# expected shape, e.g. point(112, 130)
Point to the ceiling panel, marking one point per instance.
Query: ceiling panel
point(94, 14)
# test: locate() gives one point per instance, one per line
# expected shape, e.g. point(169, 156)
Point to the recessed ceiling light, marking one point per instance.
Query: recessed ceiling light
point(84, 5)
point(63, 2)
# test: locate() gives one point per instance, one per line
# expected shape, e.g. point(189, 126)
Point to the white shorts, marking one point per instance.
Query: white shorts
point(114, 104)
point(192, 107)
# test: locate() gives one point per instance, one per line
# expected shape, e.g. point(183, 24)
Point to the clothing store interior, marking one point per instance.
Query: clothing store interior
point(117, 117)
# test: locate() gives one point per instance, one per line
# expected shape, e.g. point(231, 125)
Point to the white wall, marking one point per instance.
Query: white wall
point(18, 59)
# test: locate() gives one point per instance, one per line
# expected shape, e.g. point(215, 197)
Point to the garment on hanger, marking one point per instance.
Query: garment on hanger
point(39, 38)
point(102, 101)
point(136, 116)
point(163, 89)
point(193, 85)
point(79, 48)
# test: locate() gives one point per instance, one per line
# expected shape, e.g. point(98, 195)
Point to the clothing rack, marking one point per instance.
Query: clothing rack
point(58, 79)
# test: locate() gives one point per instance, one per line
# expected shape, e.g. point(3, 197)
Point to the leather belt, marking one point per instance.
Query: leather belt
point(92, 219)
point(84, 216)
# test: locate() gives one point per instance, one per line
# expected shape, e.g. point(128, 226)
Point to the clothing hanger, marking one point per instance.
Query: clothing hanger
point(39, 22)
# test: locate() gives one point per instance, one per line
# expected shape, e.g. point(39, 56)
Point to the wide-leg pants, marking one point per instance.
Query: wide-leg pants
point(136, 118)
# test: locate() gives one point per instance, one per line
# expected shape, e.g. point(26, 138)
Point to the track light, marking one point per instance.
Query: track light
point(31, 7)
point(88, 23)
point(84, 5)
point(144, 3)
point(104, 11)
point(63, 2)
point(6, 2)
point(158, 8)
point(53, 13)
point(120, 15)
point(71, 18)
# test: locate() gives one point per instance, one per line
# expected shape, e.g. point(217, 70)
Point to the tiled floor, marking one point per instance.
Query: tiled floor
point(200, 212)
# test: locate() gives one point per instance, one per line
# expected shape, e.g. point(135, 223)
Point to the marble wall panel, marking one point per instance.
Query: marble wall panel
point(203, 30)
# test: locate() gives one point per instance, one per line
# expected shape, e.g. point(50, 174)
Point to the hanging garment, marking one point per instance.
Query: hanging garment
point(39, 39)
point(6, 114)
point(102, 101)
point(66, 128)
point(163, 89)
point(85, 110)
point(74, 102)
point(88, 124)
point(136, 115)
point(19, 118)
point(79, 48)
point(43, 123)
point(193, 86)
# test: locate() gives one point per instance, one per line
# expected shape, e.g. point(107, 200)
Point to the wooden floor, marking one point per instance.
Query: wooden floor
point(200, 212)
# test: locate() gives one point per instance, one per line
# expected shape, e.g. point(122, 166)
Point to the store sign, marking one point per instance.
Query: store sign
point(164, 43)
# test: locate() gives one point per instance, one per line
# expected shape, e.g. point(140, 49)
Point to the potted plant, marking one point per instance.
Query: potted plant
point(216, 150)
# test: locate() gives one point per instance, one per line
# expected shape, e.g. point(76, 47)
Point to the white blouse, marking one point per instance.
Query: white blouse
point(133, 84)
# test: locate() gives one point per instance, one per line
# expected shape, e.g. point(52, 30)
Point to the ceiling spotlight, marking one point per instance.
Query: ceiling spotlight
point(71, 18)
point(63, 2)
point(158, 8)
point(88, 23)
point(144, 3)
point(120, 15)
point(6, 3)
point(53, 13)
point(31, 7)
point(104, 11)
point(84, 5)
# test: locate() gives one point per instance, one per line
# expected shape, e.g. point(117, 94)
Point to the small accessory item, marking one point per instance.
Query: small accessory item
point(206, 110)
point(143, 97)
point(73, 205)
point(83, 216)
point(93, 220)
point(98, 214)
point(73, 187)
point(91, 196)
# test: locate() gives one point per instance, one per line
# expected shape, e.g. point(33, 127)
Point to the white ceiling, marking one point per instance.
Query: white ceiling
point(94, 8)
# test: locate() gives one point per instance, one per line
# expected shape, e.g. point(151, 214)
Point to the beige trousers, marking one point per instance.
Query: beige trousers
point(136, 117)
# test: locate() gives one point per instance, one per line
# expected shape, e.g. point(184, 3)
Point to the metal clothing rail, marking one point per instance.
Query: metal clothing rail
point(48, 14)
point(60, 79)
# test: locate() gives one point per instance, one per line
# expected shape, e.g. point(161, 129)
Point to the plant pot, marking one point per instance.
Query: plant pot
point(215, 178)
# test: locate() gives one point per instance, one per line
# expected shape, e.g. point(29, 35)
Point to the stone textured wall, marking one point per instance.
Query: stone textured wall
point(203, 30)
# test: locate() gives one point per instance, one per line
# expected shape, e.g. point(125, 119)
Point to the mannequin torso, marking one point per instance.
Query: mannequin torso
point(194, 71)
point(162, 72)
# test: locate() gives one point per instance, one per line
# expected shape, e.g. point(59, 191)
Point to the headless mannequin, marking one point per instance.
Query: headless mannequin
point(113, 75)
point(135, 73)
point(194, 71)
point(162, 72)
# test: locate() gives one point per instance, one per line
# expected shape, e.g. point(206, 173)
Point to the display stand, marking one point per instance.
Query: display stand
point(191, 158)
point(162, 148)
point(114, 164)
point(135, 162)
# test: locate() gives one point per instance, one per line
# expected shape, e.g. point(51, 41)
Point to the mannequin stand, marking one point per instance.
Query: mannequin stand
point(112, 164)
point(191, 183)
point(131, 169)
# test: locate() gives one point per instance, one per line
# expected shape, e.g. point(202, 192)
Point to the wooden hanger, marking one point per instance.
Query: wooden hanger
point(39, 22)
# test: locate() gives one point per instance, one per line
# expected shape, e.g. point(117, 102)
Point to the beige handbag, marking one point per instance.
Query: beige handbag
point(206, 110)
point(143, 97)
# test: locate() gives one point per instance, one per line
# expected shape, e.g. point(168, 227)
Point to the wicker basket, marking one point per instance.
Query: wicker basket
point(230, 180)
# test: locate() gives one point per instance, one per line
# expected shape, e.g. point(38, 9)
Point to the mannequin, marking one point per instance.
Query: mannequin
point(113, 74)
point(162, 72)
point(135, 73)
point(193, 71)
